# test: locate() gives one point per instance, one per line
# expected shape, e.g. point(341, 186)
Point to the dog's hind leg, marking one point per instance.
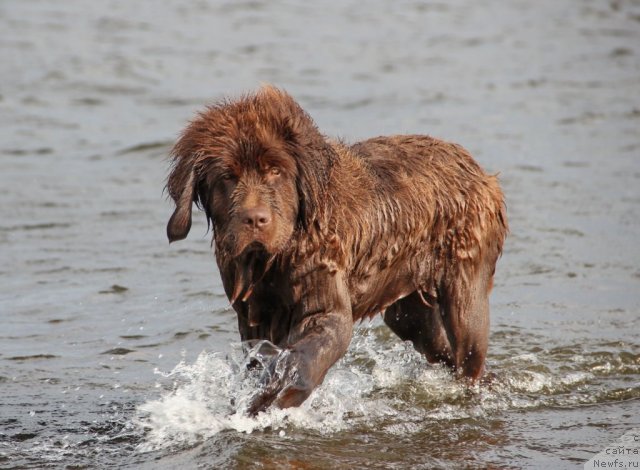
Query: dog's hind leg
point(413, 319)
point(465, 308)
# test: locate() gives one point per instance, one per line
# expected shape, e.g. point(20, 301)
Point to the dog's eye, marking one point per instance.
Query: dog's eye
point(227, 177)
point(274, 171)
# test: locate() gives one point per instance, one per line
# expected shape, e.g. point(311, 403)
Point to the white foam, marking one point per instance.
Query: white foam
point(527, 357)
point(209, 396)
point(380, 384)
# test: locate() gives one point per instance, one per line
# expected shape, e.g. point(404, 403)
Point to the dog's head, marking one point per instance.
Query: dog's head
point(257, 166)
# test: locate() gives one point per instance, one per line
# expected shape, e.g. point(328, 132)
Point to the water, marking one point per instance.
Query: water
point(119, 350)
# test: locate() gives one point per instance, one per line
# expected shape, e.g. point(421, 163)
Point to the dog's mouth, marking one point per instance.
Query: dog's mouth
point(250, 266)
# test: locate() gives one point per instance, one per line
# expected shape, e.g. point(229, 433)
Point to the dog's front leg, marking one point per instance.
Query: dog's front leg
point(317, 341)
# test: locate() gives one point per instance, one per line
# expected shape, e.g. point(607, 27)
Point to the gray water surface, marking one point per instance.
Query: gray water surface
point(118, 350)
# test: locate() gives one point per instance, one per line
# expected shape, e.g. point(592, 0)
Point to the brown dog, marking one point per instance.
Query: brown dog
point(311, 235)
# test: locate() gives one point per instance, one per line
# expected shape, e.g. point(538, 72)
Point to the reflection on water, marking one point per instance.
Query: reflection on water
point(119, 350)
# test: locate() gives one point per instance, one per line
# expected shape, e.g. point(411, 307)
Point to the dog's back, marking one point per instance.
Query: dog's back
point(436, 186)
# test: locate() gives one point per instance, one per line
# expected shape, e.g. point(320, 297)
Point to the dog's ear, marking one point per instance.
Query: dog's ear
point(314, 158)
point(181, 186)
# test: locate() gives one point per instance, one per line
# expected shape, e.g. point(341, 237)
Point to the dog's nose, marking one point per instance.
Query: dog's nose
point(257, 217)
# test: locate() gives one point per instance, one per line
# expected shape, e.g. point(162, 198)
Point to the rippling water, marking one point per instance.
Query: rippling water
point(118, 350)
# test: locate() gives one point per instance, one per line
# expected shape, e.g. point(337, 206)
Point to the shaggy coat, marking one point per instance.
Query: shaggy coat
point(312, 235)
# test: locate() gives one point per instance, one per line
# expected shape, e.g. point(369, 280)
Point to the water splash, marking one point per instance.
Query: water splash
point(379, 384)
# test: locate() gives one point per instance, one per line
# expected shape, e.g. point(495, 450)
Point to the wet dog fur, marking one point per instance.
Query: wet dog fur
point(311, 235)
